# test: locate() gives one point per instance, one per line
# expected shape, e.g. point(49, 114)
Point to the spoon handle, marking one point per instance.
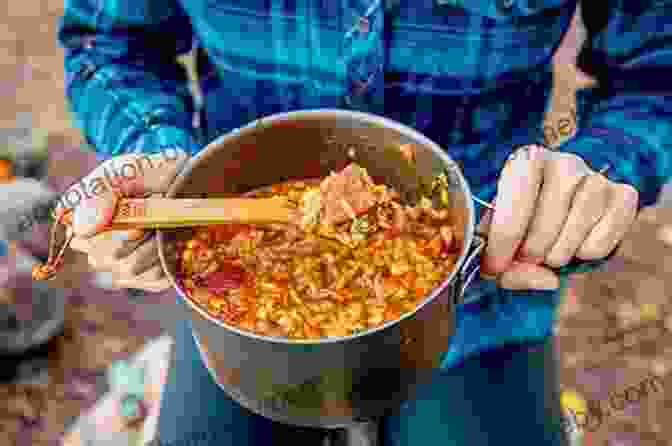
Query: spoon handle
point(155, 213)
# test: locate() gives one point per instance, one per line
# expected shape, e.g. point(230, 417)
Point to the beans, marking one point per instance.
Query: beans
point(310, 331)
point(187, 256)
point(355, 310)
point(217, 303)
point(322, 306)
point(317, 319)
point(287, 323)
point(200, 295)
point(375, 318)
point(397, 269)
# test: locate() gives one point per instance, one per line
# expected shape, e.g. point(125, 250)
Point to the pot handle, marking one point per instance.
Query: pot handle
point(470, 269)
point(472, 266)
point(364, 433)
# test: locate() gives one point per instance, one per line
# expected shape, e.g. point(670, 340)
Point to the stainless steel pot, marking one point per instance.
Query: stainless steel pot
point(334, 382)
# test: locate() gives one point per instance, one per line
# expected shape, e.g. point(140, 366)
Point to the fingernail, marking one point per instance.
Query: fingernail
point(546, 283)
point(539, 282)
point(543, 281)
point(528, 277)
point(665, 234)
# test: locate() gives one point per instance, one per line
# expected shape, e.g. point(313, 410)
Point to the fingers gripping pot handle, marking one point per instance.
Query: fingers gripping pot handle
point(470, 269)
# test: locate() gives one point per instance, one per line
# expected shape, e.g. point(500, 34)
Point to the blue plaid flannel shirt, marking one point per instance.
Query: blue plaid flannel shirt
point(473, 75)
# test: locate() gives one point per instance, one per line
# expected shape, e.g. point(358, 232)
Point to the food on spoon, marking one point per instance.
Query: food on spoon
point(346, 195)
point(360, 260)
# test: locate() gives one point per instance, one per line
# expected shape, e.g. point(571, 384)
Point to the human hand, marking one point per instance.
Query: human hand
point(131, 257)
point(551, 207)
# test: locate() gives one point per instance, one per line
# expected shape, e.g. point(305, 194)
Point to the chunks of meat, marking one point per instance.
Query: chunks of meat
point(346, 194)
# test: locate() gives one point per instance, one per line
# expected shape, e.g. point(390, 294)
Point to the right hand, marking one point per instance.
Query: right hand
point(131, 257)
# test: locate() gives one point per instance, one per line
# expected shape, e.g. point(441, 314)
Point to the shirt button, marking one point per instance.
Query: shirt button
point(358, 88)
point(506, 4)
point(88, 70)
point(150, 119)
point(89, 41)
point(363, 25)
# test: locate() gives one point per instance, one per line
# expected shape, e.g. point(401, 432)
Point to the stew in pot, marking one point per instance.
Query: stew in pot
point(360, 259)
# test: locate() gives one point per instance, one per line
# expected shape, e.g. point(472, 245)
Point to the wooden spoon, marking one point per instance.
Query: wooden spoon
point(166, 213)
point(154, 213)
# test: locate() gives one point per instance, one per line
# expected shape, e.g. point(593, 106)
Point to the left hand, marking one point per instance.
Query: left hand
point(550, 208)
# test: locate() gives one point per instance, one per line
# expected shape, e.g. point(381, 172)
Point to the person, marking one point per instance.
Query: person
point(475, 77)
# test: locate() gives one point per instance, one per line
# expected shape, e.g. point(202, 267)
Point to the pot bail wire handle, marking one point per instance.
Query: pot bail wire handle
point(48, 270)
point(470, 270)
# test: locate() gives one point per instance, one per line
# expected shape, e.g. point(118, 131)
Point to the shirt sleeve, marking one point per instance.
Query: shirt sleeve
point(626, 121)
point(125, 87)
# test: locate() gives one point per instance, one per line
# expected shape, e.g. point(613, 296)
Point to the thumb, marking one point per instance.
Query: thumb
point(526, 276)
point(133, 175)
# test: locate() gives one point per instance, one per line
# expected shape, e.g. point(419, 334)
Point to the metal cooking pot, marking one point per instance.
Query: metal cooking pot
point(334, 382)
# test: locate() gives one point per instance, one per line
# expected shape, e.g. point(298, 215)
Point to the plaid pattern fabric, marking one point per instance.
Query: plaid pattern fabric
point(473, 75)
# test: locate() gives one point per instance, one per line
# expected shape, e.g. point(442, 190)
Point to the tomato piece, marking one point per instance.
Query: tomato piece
point(248, 292)
point(250, 280)
point(196, 244)
point(225, 233)
point(408, 279)
point(310, 331)
point(391, 285)
point(375, 247)
point(360, 210)
point(448, 239)
point(280, 275)
point(420, 292)
point(228, 277)
point(393, 311)
point(248, 321)
point(280, 293)
point(433, 248)
point(343, 295)
point(375, 244)
point(392, 233)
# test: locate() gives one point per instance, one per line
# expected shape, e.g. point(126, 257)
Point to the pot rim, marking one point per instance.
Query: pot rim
point(298, 115)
